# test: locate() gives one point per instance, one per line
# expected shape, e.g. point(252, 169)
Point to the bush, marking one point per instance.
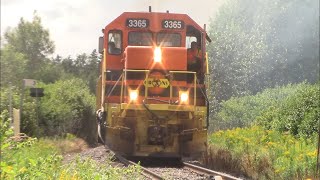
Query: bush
point(67, 107)
point(293, 108)
point(42, 159)
point(263, 154)
point(298, 114)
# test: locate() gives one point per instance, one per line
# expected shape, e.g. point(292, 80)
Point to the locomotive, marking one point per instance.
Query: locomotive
point(149, 103)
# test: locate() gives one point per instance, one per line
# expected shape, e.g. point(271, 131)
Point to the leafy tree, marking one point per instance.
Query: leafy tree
point(84, 67)
point(68, 106)
point(31, 40)
point(92, 70)
point(259, 44)
point(13, 66)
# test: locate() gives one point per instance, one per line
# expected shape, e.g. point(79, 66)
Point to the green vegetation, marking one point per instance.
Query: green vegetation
point(42, 159)
point(298, 114)
point(67, 107)
point(69, 84)
point(260, 44)
point(278, 139)
point(262, 154)
point(293, 108)
point(264, 61)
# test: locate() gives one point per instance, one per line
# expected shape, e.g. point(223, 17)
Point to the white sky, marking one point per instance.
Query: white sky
point(75, 25)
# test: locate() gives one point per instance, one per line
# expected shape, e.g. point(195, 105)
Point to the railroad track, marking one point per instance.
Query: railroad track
point(184, 171)
point(217, 175)
point(145, 171)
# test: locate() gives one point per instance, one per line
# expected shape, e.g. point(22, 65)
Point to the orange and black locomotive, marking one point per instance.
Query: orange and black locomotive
point(151, 94)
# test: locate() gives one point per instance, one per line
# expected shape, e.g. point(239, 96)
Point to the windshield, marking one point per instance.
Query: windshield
point(163, 39)
point(140, 38)
point(169, 39)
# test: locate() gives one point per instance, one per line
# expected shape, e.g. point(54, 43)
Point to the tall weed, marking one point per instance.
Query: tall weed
point(42, 159)
point(265, 154)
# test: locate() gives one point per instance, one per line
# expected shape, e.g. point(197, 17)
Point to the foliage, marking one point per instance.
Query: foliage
point(31, 159)
point(13, 67)
point(259, 44)
point(243, 111)
point(84, 67)
point(265, 154)
point(67, 107)
point(42, 159)
point(88, 169)
point(298, 114)
point(25, 55)
point(4, 96)
point(31, 40)
point(5, 130)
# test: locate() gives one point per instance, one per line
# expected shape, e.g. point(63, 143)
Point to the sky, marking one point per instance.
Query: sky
point(75, 25)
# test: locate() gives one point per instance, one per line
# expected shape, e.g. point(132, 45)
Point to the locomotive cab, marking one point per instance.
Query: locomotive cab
point(149, 103)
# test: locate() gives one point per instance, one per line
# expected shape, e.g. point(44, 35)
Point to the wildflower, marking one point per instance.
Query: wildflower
point(22, 170)
point(286, 153)
point(291, 141)
point(312, 154)
point(270, 143)
point(9, 168)
point(246, 140)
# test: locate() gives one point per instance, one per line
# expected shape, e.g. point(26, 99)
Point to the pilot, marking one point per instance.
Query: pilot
point(112, 48)
point(194, 56)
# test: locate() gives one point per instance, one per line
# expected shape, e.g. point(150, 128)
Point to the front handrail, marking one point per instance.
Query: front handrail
point(114, 86)
point(147, 72)
point(194, 83)
point(207, 104)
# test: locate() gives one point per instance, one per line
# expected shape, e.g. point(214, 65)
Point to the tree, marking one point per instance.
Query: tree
point(31, 40)
point(13, 65)
point(260, 44)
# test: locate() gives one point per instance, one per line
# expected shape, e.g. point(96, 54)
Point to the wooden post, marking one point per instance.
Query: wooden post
point(16, 121)
point(318, 154)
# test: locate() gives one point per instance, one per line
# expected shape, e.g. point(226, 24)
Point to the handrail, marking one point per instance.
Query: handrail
point(171, 89)
point(207, 104)
point(114, 85)
point(194, 85)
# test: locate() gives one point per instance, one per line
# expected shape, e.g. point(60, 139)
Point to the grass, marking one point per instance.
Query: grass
point(42, 159)
point(262, 154)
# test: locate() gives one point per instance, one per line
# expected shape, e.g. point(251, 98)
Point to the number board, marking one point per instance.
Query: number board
point(137, 23)
point(172, 24)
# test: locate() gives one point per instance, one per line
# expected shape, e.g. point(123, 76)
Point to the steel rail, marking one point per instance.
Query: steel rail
point(209, 171)
point(145, 171)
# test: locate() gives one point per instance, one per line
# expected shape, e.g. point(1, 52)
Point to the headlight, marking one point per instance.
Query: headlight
point(157, 54)
point(184, 97)
point(133, 95)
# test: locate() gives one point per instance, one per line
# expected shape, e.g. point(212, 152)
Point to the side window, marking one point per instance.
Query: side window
point(115, 42)
point(193, 35)
point(189, 40)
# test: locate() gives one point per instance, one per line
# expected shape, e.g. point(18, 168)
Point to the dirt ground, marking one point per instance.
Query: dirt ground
point(75, 148)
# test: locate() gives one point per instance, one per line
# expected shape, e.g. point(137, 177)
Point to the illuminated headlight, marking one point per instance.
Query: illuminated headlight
point(157, 54)
point(133, 95)
point(184, 97)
